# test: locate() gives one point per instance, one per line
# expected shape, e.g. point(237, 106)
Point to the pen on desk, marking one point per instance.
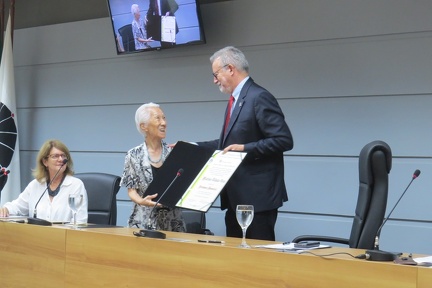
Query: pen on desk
point(211, 241)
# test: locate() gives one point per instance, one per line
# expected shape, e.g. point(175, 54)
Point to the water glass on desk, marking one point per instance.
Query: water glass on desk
point(244, 214)
point(75, 202)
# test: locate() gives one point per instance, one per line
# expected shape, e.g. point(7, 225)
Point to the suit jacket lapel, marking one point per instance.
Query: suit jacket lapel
point(237, 107)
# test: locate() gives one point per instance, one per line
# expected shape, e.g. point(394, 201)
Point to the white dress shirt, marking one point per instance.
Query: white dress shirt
point(56, 210)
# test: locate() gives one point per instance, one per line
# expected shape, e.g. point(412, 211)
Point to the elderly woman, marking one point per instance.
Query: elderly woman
point(47, 195)
point(138, 29)
point(141, 165)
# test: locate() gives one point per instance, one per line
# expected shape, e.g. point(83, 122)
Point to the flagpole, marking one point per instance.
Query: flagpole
point(12, 15)
point(2, 26)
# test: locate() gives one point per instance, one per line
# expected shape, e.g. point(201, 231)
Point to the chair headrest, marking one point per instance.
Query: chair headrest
point(366, 158)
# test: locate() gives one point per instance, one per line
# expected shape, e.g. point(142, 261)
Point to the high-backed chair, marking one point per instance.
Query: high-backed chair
point(127, 37)
point(375, 161)
point(102, 190)
point(195, 222)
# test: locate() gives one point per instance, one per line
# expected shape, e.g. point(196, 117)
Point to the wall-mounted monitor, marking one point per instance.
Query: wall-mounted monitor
point(146, 25)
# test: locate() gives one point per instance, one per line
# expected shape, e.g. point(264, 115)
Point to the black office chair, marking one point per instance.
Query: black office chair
point(375, 163)
point(127, 38)
point(195, 222)
point(102, 190)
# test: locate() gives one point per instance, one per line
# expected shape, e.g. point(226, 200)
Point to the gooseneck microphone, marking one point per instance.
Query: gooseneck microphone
point(376, 254)
point(151, 225)
point(150, 230)
point(34, 220)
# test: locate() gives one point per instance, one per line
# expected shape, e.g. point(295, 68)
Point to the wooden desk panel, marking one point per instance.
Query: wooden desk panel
point(424, 277)
point(38, 256)
point(123, 260)
point(31, 256)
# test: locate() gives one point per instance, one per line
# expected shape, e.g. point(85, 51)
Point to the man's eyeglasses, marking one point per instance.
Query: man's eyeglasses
point(57, 156)
point(216, 73)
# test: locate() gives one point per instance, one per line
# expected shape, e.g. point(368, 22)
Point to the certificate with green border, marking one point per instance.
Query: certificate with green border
point(210, 181)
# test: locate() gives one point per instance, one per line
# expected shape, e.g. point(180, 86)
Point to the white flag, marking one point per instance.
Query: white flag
point(9, 149)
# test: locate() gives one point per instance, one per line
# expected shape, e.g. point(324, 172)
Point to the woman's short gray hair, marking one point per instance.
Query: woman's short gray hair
point(134, 9)
point(142, 115)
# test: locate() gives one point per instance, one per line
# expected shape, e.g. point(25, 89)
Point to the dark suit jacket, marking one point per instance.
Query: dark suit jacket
point(170, 6)
point(258, 122)
point(154, 25)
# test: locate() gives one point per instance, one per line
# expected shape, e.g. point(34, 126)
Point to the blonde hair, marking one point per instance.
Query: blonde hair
point(41, 173)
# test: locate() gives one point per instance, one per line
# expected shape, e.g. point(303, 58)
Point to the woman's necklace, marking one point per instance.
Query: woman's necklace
point(54, 192)
point(154, 162)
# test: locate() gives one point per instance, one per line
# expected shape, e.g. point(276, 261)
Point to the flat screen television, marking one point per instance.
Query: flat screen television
point(146, 25)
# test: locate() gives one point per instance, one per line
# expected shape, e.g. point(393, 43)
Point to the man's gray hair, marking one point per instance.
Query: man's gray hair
point(233, 56)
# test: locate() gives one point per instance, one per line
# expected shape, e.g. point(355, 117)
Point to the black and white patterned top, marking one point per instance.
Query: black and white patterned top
point(137, 174)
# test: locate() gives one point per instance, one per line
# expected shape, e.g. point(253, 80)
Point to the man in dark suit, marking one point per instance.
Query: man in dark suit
point(162, 7)
point(158, 8)
point(256, 126)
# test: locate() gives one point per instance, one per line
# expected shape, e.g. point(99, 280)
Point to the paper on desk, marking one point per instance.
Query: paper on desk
point(427, 259)
point(289, 246)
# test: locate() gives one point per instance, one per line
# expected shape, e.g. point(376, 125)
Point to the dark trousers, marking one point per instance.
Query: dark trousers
point(262, 226)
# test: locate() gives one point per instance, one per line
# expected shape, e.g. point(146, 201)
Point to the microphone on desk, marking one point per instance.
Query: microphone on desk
point(37, 221)
point(150, 231)
point(376, 254)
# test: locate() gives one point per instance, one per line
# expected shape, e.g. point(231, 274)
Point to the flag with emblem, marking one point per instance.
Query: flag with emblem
point(10, 182)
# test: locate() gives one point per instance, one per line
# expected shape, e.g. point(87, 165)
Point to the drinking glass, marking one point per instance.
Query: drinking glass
point(75, 202)
point(244, 214)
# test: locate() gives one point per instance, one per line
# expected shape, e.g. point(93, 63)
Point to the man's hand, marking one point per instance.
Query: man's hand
point(234, 147)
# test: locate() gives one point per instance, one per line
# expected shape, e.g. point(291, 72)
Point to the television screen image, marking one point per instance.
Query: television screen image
point(145, 25)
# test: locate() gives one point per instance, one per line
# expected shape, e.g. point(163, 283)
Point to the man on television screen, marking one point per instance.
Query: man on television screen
point(157, 9)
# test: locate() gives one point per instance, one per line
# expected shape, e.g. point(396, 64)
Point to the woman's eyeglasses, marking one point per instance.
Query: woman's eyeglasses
point(57, 156)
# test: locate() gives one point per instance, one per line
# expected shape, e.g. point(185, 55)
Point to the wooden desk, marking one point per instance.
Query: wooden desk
point(31, 256)
point(114, 257)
